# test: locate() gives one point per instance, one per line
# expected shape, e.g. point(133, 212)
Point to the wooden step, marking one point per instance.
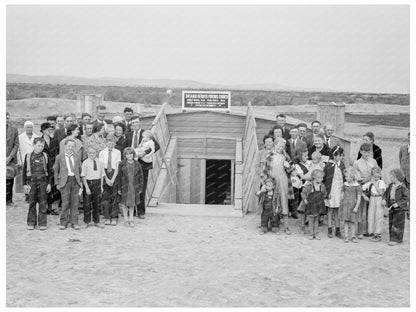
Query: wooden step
point(195, 210)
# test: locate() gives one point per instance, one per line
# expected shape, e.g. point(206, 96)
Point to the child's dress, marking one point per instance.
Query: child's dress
point(349, 201)
point(315, 198)
point(375, 209)
point(336, 187)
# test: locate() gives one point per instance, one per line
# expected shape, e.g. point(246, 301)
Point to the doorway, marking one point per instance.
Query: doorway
point(218, 182)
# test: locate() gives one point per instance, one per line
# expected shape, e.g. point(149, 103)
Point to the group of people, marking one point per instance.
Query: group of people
point(304, 175)
point(101, 166)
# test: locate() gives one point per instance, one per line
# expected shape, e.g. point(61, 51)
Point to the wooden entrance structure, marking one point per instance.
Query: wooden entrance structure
point(189, 139)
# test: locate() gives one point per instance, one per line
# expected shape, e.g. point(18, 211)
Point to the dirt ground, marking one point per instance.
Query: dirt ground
point(174, 261)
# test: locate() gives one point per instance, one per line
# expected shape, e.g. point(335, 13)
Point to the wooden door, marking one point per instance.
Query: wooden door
point(191, 181)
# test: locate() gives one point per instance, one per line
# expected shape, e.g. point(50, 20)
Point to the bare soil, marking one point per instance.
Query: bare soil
point(191, 261)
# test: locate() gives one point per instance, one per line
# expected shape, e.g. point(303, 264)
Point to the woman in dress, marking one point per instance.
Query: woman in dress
point(276, 166)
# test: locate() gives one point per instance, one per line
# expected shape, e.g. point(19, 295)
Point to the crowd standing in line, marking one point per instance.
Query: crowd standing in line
point(100, 166)
point(305, 176)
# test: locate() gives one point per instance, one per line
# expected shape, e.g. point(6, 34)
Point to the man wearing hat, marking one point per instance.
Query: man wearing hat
point(110, 158)
point(12, 146)
point(51, 148)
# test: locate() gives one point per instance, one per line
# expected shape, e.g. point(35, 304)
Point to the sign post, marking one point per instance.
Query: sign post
point(206, 100)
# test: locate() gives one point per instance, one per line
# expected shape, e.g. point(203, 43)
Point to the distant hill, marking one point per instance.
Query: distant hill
point(156, 83)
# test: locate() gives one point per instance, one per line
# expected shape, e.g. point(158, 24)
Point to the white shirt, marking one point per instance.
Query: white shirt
point(115, 158)
point(380, 184)
point(70, 172)
point(25, 146)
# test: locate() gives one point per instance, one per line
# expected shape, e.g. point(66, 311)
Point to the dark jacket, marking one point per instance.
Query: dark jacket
point(52, 150)
point(376, 155)
point(276, 201)
point(401, 197)
point(123, 181)
point(12, 143)
point(326, 151)
point(329, 174)
point(129, 137)
point(121, 144)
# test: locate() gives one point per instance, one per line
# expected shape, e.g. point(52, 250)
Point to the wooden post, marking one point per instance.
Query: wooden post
point(332, 113)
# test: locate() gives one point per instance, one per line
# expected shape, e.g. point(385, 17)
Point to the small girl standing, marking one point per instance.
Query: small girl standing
point(334, 178)
point(350, 203)
point(313, 195)
point(396, 197)
point(130, 184)
point(302, 165)
point(376, 188)
point(269, 206)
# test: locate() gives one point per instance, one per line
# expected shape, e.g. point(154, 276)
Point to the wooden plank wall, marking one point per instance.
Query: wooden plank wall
point(206, 124)
point(250, 151)
point(210, 148)
point(160, 131)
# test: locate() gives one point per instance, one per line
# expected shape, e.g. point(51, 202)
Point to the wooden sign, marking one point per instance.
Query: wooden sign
point(206, 100)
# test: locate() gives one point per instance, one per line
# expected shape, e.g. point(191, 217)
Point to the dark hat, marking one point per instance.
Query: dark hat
point(45, 125)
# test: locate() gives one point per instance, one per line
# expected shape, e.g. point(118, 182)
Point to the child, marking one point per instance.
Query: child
point(146, 146)
point(269, 206)
point(376, 188)
point(110, 157)
point(302, 165)
point(350, 203)
point(363, 168)
point(130, 184)
point(37, 176)
point(92, 174)
point(334, 179)
point(396, 197)
point(316, 163)
point(313, 195)
point(67, 171)
point(297, 188)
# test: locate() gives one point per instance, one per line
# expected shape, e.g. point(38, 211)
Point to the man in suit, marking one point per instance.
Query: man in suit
point(128, 113)
point(101, 111)
point(294, 142)
point(331, 141)
point(85, 119)
point(67, 172)
point(134, 138)
point(316, 127)
point(60, 133)
point(12, 146)
point(52, 120)
point(281, 121)
point(369, 138)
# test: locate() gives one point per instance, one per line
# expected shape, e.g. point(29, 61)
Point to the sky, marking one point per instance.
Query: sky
point(341, 48)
